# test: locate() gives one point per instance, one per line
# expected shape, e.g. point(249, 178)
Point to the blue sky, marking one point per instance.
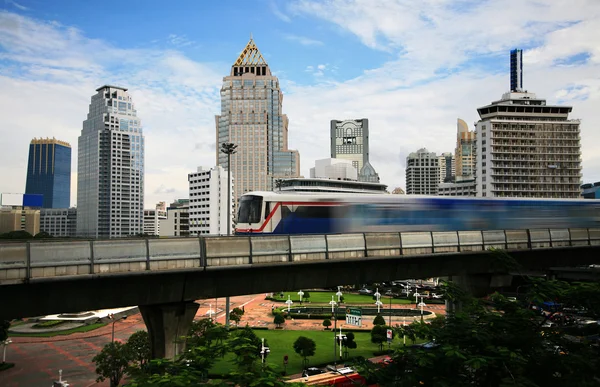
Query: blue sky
point(411, 67)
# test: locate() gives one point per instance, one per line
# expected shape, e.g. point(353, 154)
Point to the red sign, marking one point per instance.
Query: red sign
point(285, 359)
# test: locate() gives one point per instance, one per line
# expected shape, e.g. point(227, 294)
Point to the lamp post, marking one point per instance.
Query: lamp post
point(210, 311)
point(378, 302)
point(421, 304)
point(228, 148)
point(5, 344)
point(289, 303)
point(339, 293)
point(333, 315)
point(390, 321)
point(114, 320)
point(301, 293)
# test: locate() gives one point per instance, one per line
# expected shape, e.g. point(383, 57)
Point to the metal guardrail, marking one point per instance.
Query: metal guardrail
point(31, 260)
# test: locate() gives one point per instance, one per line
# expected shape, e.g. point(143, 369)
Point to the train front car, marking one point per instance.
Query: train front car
point(286, 213)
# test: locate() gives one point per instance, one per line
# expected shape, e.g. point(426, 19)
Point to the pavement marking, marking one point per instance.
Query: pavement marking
point(70, 357)
point(91, 345)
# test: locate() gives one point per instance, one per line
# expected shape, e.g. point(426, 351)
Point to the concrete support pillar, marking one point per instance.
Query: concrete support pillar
point(167, 324)
point(477, 285)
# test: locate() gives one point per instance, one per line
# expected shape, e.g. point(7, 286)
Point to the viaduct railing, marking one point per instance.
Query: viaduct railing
point(38, 260)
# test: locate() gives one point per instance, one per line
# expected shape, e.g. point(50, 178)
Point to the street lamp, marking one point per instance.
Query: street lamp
point(289, 303)
point(264, 351)
point(422, 305)
point(5, 343)
point(228, 148)
point(210, 311)
point(301, 293)
point(333, 304)
point(333, 315)
point(339, 294)
point(378, 302)
point(114, 320)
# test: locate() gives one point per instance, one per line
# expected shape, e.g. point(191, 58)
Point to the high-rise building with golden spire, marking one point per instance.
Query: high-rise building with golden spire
point(251, 117)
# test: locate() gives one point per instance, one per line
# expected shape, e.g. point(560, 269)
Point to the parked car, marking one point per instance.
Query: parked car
point(434, 295)
point(365, 291)
point(310, 371)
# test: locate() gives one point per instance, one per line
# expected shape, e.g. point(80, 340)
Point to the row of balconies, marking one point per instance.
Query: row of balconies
point(509, 180)
point(534, 151)
point(537, 129)
point(535, 173)
point(532, 166)
point(539, 159)
point(548, 144)
point(537, 189)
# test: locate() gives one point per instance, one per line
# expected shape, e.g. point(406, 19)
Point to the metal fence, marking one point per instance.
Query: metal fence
point(24, 261)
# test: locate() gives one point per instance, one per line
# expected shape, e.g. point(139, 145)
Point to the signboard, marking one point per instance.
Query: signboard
point(354, 317)
point(389, 335)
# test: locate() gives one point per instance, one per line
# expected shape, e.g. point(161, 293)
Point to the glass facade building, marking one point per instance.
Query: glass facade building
point(516, 70)
point(110, 166)
point(251, 117)
point(49, 172)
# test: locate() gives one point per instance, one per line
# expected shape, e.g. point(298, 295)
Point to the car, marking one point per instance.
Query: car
point(391, 293)
point(434, 295)
point(365, 291)
point(310, 371)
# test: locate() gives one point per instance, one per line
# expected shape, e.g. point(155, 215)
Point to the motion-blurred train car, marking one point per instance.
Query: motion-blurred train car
point(292, 213)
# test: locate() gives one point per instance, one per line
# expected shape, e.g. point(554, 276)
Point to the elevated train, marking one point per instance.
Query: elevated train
point(294, 213)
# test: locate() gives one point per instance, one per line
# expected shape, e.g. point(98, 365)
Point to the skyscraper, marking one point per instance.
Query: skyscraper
point(251, 117)
point(208, 201)
point(350, 141)
point(422, 173)
point(49, 172)
point(465, 151)
point(526, 148)
point(447, 167)
point(516, 70)
point(110, 167)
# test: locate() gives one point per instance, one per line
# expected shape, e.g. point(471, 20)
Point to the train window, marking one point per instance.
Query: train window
point(313, 212)
point(267, 209)
point(250, 209)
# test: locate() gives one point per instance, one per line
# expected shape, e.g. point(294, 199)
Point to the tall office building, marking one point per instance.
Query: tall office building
point(110, 167)
point(350, 141)
point(422, 173)
point(516, 70)
point(526, 148)
point(465, 151)
point(152, 218)
point(251, 117)
point(447, 167)
point(49, 172)
point(208, 202)
point(59, 222)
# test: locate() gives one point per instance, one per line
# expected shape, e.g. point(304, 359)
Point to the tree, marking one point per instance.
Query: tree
point(111, 363)
point(379, 335)
point(236, 315)
point(498, 342)
point(349, 343)
point(327, 323)
point(378, 320)
point(138, 348)
point(306, 296)
point(19, 234)
point(305, 347)
point(42, 235)
point(278, 320)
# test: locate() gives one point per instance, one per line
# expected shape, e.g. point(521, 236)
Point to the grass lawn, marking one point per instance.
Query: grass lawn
point(281, 342)
point(85, 328)
point(325, 297)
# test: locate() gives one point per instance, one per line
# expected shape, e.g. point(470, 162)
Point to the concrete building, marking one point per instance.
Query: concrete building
point(465, 152)
point(516, 70)
point(110, 166)
point(331, 185)
point(527, 148)
point(422, 173)
point(59, 222)
point(208, 202)
point(153, 217)
point(398, 191)
point(447, 167)
point(350, 141)
point(19, 219)
point(337, 169)
point(49, 172)
point(252, 118)
point(459, 188)
point(177, 223)
point(590, 191)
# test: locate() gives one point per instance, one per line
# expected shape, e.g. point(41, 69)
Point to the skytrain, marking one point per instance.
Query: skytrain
point(294, 213)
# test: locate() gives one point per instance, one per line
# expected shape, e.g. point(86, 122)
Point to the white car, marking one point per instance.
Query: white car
point(433, 295)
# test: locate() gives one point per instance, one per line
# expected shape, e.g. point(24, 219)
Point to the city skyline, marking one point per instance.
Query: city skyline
point(411, 76)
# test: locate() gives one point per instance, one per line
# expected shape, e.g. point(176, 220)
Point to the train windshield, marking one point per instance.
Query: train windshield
point(250, 209)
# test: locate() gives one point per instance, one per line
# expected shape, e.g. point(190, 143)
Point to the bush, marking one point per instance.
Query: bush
point(48, 324)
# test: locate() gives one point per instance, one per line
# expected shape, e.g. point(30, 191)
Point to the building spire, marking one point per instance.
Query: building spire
point(250, 56)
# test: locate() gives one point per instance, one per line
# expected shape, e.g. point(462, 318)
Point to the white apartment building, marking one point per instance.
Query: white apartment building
point(153, 217)
point(110, 167)
point(337, 169)
point(459, 188)
point(177, 223)
point(422, 173)
point(526, 148)
point(447, 167)
point(59, 222)
point(208, 202)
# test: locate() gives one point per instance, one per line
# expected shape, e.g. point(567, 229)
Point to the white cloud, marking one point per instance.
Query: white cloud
point(303, 40)
point(16, 5)
point(278, 13)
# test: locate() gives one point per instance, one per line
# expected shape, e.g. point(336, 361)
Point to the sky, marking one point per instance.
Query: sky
point(411, 67)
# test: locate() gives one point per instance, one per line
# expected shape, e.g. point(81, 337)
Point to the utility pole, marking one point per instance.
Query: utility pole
point(228, 148)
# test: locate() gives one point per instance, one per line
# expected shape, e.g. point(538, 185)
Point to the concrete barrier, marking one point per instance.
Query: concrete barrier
point(346, 246)
point(416, 243)
point(494, 239)
point(227, 251)
point(60, 258)
point(270, 249)
point(539, 238)
point(445, 242)
point(517, 239)
point(560, 237)
point(180, 253)
point(470, 240)
point(579, 237)
point(308, 247)
point(383, 244)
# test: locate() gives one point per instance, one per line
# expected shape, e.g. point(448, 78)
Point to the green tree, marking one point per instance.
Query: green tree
point(306, 296)
point(327, 323)
point(138, 347)
point(498, 342)
point(278, 320)
point(378, 320)
point(112, 362)
point(305, 347)
point(42, 235)
point(19, 234)
point(379, 335)
point(197, 335)
point(349, 343)
point(236, 315)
